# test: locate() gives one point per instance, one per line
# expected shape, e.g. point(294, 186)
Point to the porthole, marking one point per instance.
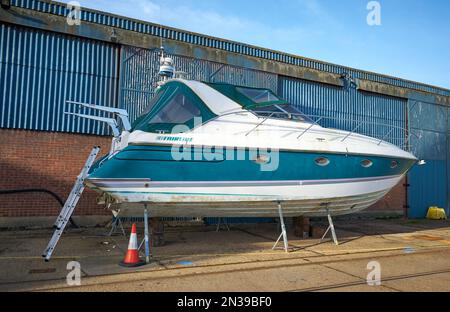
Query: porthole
point(394, 164)
point(322, 161)
point(366, 163)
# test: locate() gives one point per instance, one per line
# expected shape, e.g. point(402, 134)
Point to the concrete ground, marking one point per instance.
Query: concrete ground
point(413, 256)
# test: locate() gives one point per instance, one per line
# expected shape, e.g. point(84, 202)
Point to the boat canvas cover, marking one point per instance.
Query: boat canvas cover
point(175, 103)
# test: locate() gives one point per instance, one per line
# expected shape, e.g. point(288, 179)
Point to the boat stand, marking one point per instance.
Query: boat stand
point(330, 227)
point(146, 240)
point(116, 223)
point(220, 222)
point(283, 230)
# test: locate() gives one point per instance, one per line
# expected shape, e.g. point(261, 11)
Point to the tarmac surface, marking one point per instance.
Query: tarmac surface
point(412, 256)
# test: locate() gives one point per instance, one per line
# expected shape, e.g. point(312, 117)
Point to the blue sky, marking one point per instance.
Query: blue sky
point(412, 42)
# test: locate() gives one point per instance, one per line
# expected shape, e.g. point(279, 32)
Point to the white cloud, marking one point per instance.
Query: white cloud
point(210, 22)
point(239, 29)
point(149, 8)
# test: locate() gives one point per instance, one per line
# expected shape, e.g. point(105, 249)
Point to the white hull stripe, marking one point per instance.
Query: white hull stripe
point(136, 183)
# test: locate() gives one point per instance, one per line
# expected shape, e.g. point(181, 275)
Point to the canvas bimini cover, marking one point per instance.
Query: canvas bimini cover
point(184, 102)
point(180, 102)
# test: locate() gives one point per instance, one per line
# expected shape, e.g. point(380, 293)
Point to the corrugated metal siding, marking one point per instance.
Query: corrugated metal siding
point(243, 77)
point(139, 74)
point(428, 183)
point(448, 165)
point(39, 71)
point(202, 40)
point(348, 107)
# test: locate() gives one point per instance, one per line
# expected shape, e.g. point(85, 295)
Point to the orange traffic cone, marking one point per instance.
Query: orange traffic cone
point(132, 255)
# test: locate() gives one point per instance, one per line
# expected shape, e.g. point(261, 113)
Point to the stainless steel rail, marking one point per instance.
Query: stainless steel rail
point(402, 142)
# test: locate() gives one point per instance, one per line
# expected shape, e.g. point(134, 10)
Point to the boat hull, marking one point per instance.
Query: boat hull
point(246, 198)
point(201, 185)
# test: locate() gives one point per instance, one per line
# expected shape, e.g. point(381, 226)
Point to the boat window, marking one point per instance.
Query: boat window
point(174, 108)
point(153, 101)
point(322, 161)
point(366, 163)
point(394, 164)
point(179, 110)
point(283, 111)
point(149, 107)
point(258, 95)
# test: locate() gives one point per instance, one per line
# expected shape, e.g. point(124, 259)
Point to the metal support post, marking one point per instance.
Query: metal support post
point(224, 222)
point(116, 223)
point(283, 230)
point(330, 227)
point(146, 236)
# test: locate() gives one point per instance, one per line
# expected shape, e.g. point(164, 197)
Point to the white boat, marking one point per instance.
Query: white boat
point(213, 149)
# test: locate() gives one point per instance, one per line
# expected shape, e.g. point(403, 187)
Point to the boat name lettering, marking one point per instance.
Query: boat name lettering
point(173, 139)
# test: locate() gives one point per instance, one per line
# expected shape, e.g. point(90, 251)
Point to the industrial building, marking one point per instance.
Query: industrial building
point(112, 60)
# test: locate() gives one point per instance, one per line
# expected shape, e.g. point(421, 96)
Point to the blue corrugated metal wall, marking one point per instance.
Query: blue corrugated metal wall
point(40, 70)
point(138, 77)
point(348, 107)
point(428, 183)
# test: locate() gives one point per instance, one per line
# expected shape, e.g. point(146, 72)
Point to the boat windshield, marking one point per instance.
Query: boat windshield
point(282, 111)
point(258, 95)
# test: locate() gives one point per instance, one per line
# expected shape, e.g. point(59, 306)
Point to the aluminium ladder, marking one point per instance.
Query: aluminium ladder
point(70, 204)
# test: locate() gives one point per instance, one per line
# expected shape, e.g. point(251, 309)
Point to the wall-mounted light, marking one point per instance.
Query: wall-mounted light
point(113, 36)
point(348, 81)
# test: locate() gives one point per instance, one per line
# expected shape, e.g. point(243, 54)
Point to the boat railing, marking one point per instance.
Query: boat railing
point(378, 131)
point(394, 134)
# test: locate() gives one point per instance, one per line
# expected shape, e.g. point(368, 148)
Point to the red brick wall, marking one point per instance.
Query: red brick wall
point(50, 160)
point(393, 201)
